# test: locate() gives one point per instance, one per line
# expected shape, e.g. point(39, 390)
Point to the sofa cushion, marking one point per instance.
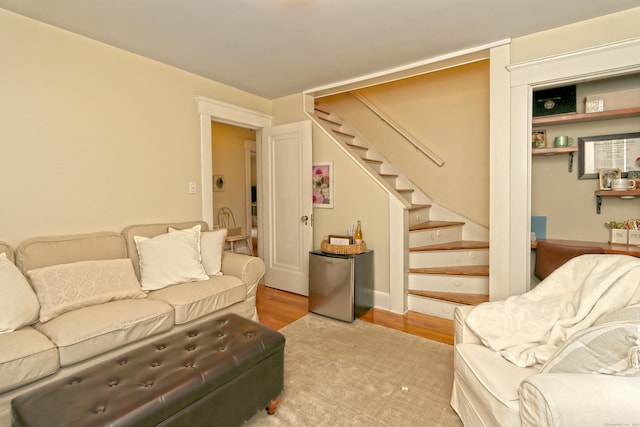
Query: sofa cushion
point(65, 287)
point(89, 331)
point(25, 356)
point(626, 314)
point(211, 249)
point(602, 349)
point(18, 306)
point(170, 258)
point(194, 299)
point(490, 382)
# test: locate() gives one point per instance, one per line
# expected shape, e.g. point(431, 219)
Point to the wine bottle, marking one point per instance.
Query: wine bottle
point(357, 236)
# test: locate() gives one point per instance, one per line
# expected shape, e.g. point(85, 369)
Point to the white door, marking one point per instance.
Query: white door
point(288, 206)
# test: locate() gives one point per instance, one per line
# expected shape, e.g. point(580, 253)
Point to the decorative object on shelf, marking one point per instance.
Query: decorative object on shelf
point(613, 100)
point(539, 138)
point(218, 182)
point(322, 181)
point(559, 100)
point(562, 141)
point(623, 184)
point(607, 151)
point(606, 176)
point(594, 106)
point(635, 175)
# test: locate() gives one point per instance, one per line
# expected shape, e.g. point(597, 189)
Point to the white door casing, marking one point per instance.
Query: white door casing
point(286, 195)
point(289, 277)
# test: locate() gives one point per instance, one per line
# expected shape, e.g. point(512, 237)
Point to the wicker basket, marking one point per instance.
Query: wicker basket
point(358, 248)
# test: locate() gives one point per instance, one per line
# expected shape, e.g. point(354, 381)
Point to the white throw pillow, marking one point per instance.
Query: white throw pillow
point(19, 305)
point(66, 287)
point(611, 348)
point(211, 249)
point(170, 258)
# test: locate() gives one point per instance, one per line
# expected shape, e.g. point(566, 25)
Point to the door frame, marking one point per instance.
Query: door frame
point(212, 110)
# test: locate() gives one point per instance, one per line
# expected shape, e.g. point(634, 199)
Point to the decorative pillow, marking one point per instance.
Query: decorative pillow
point(19, 305)
point(170, 258)
point(66, 287)
point(611, 348)
point(211, 249)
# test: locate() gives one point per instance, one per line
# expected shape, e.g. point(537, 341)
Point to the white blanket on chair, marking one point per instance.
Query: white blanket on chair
point(526, 329)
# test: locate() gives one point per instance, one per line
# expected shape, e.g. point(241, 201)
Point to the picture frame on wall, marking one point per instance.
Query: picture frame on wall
point(322, 184)
point(620, 151)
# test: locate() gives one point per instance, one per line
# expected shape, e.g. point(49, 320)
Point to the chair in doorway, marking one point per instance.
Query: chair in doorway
point(550, 256)
point(234, 233)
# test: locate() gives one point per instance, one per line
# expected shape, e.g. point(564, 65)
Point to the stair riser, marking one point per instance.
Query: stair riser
point(408, 196)
point(431, 307)
point(434, 236)
point(391, 180)
point(417, 216)
point(446, 283)
point(375, 167)
point(448, 258)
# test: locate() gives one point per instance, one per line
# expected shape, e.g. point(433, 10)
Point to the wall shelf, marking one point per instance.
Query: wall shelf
point(629, 194)
point(559, 150)
point(558, 119)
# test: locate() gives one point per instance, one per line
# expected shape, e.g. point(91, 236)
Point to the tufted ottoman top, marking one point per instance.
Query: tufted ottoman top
point(153, 382)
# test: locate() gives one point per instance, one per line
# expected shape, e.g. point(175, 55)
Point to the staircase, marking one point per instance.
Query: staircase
point(444, 270)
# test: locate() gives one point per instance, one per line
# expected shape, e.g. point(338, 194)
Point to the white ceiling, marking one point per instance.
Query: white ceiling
point(274, 48)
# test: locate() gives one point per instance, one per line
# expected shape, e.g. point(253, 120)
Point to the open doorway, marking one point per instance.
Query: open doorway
point(233, 181)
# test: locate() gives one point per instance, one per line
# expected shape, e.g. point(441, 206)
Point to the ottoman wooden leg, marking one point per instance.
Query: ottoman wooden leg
point(271, 409)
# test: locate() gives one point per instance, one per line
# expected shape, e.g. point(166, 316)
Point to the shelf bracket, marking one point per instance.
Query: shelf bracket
point(571, 161)
point(598, 204)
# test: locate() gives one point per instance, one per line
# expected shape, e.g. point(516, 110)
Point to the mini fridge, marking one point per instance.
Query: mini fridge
point(340, 286)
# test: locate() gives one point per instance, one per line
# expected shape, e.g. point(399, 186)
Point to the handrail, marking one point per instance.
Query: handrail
point(406, 135)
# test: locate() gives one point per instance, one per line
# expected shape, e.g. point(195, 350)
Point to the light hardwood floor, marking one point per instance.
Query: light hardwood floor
point(277, 309)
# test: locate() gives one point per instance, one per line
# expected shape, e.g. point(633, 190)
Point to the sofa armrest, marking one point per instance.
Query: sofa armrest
point(249, 269)
point(462, 333)
point(556, 399)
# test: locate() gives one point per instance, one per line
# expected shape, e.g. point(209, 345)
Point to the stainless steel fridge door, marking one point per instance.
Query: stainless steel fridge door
point(331, 286)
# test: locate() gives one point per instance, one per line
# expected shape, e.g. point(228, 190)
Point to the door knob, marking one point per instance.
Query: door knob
point(305, 219)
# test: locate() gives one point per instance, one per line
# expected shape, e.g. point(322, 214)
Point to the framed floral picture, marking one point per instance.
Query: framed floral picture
point(322, 184)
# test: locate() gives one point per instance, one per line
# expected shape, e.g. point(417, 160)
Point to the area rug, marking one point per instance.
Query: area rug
point(361, 374)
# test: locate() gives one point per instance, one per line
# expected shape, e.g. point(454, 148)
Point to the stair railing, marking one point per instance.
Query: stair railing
point(395, 126)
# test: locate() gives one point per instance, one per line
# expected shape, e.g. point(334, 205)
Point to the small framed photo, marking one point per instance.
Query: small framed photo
point(340, 240)
point(605, 176)
point(539, 138)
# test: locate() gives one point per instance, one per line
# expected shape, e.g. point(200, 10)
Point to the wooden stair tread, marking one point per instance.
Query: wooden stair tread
point(339, 132)
point(455, 297)
point(454, 270)
point(333, 122)
point(452, 246)
point(320, 110)
point(427, 225)
point(388, 175)
point(356, 147)
point(372, 161)
point(405, 190)
point(418, 207)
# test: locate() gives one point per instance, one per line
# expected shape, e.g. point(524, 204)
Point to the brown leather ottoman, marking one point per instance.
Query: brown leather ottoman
point(218, 374)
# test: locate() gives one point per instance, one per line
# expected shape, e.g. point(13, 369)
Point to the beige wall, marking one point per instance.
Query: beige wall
point(448, 111)
point(228, 159)
point(95, 138)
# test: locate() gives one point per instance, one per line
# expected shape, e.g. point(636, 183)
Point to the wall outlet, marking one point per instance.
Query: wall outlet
point(193, 188)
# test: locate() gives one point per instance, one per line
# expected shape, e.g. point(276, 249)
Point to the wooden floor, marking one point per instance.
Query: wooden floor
point(277, 309)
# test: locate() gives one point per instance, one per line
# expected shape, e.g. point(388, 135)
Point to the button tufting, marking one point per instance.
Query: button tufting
point(223, 322)
point(192, 334)
point(222, 349)
point(75, 381)
point(147, 383)
point(191, 348)
point(189, 364)
point(100, 408)
point(113, 383)
point(221, 334)
point(155, 363)
point(161, 347)
point(123, 362)
point(249, 334)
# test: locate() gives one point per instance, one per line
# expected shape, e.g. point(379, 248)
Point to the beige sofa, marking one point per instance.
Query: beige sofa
point(84, 334)
point(585, 370)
